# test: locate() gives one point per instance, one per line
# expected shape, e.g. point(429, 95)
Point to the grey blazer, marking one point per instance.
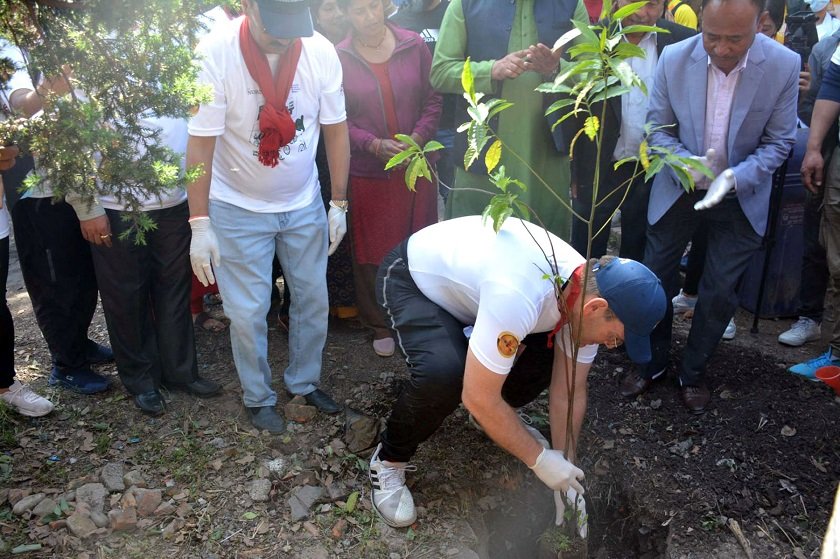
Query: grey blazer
point(762, 124)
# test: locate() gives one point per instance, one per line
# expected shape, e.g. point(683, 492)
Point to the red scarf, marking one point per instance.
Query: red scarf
point(575, 288)
point(276, 125)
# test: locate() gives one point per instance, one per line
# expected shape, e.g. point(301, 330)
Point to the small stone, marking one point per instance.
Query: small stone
point(184, 510)
point(80, 525)
point(259, 490)
point(165, 509)
point(45, 507)
point(218, 442)
point(338, 529)
point(128, 500)
point(57, 524)
point(134, 477)
point(300, 413)
point(16, 495)
point(26, 504)
point(92, 494)
point(100, 519)
point(172, 527)
point(147, 500)
point(123, 519)
point(112, 477)
point(302, 500)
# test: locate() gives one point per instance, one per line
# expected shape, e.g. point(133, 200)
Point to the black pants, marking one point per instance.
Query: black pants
point(145, 292)
point(58, 272)
point(814, 278)
point(7, 327)
point(633, 214)
point(435, 349)
point(732, 242)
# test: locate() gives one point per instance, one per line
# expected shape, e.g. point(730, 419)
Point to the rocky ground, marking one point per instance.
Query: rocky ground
point(96, 479)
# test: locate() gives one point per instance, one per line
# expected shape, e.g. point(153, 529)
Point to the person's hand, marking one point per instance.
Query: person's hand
point(722, 184)
point(337, 218)
point(577, 510)
point(385, 148)
point(204, 250)
point(7, 157)
point(812, 170)
point(510, 67)
point(706, 160)
point(540, 59)
point(804, 79)
point(97, 231)
point(556, 472)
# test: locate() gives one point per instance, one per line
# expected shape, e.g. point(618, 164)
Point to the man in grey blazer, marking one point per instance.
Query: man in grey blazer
point(727, 96)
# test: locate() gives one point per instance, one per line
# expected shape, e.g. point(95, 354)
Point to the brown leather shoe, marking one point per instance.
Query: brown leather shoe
point(696, 398)
point(633, 384)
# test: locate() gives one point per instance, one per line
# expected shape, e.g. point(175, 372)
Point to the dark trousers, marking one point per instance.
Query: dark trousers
point(145, 292)
point(731, 244)
point(633, 214)
point(435, 349)
point(696, 259)
point(7, 327)
point(58, 272)
point(814, 278)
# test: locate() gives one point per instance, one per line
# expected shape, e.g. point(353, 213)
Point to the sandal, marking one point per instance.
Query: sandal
point(208, 323)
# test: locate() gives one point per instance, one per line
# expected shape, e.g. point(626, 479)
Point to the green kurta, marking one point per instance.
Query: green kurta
point(522, 127)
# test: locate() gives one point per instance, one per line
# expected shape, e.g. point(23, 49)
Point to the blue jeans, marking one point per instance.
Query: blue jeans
point(247, 244)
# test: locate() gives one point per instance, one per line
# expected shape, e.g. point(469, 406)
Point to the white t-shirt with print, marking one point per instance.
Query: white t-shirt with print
point(494, 282)
point(316, 98)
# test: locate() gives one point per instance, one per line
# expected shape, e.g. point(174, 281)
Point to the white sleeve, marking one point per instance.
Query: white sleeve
point(586, 353)
point(332, 90)
point(503, 321)
point(210, 118)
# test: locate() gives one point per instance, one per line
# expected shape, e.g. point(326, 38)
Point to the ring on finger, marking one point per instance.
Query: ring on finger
point(104, 236)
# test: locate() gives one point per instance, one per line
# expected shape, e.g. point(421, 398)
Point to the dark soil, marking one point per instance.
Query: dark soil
point(660, 482)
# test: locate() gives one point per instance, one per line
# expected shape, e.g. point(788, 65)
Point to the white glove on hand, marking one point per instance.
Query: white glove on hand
point(204, 248)
point(337, 218)
point(722, 184)
point(705, 160)
point(577, 507)
point(556, 472)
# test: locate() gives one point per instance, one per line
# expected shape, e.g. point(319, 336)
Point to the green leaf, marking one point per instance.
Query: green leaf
point(622, 70)
point(249, 515)
point(590, 127)
point(614, 91)
point(399, 158)
point(432, 145)
point(559, 104)
point(406, 139)
point(411, 174)
point(410, 534)
point(467, 82)
point(626, 49)
point(627, 10)
point(496, 106)
point(352, 500)
point(642, 29)
point(685, 179)
point(493, 156)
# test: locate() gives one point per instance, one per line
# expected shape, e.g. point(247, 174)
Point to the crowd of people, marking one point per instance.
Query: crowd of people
point(306, 102)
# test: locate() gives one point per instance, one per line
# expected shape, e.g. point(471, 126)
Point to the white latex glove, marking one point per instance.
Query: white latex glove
point(722, 184)
point(705, 160)
point(577, 505)
point(338, 226)
point(556, 472)
point(204, 248)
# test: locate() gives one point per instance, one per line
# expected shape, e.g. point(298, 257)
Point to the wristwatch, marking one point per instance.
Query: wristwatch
point(342, 205)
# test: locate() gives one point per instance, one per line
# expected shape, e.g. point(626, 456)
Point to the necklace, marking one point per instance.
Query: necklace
point(378, 45)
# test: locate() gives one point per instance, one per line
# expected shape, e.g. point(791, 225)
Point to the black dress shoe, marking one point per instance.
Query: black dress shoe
point(634, 384)
point(150, 402)
point(267, 418)
point(322, 401)
point(200, 387)
point(97, 354)
point(696, 398)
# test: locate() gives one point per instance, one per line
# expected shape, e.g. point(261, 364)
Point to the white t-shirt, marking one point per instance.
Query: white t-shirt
point(316, 98)
point(494, 282)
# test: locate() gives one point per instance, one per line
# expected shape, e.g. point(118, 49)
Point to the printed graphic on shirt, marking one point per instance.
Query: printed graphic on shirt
point(297, 144)
point(507, 344)
point(430, 35)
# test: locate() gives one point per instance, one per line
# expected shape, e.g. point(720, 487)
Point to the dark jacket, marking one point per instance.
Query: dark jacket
point(583, 162)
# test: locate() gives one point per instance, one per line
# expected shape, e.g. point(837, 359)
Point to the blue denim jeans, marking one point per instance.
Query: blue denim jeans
point(247, 244)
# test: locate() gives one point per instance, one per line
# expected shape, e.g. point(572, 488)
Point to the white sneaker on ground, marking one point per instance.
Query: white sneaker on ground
point(25, 401)
point(390, 497)
point(683, 303)
point(730, 331)
point(384, 347)
point(802, 331)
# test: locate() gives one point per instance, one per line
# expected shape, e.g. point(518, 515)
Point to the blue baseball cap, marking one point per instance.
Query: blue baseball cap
point(286, 19)
point(635, 295)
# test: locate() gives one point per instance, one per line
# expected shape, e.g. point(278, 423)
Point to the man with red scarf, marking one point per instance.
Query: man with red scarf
point(276, 86)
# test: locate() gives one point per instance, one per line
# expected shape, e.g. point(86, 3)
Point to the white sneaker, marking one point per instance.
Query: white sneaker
point(25, 401)
point(683, 303)
point(729, 333)
point(390, 497)
point(802, 331)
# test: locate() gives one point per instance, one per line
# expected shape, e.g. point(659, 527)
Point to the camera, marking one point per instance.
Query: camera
point(801, 33)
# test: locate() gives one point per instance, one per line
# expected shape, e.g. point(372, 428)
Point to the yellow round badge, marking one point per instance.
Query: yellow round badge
point(507, 344)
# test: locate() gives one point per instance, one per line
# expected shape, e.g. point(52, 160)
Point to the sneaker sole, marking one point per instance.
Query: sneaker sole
point(29, 413)
point(798, 344)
